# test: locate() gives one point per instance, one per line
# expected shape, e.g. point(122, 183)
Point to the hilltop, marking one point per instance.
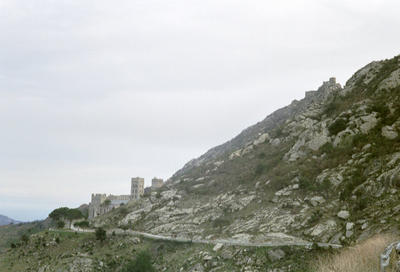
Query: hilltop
point(4, 220)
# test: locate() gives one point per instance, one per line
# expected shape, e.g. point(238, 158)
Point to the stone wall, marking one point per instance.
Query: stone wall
point(102, 204)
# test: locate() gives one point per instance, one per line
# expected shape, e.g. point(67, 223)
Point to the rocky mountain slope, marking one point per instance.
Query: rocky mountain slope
point(4, 220)
point(325, 168)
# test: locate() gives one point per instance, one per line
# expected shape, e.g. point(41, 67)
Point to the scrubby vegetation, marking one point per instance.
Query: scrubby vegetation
point(360, 258)
point(142, 263)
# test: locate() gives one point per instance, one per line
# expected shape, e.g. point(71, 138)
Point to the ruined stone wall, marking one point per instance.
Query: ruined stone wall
point(101, 203)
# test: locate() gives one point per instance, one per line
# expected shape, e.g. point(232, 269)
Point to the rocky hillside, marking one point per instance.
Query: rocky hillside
point(325, 168)
point(4, 220)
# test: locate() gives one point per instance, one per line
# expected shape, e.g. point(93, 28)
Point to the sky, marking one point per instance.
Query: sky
point(94, 92)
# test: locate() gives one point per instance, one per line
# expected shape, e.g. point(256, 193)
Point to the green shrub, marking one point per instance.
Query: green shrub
point(82, 224)
point(356, 179)
point(361, 204)
point(327, 148)
point(315, 217)
point(123, 211)
point(260, 168)
point(339, 125)
point(262, 155)
point(142, 263)
point(60, 224)
point(101, 234)
point(221, 222)
point(25, 238)
point(381, 109)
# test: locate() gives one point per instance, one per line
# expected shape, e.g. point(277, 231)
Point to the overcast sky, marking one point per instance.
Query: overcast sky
point(93, 92)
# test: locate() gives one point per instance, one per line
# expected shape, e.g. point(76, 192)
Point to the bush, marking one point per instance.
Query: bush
point(25, 238)
point(60, 224)
point(337, 126)
point(361, 204)
point(327, 148)
point(221, 222)
point(142, 263)
point(381, 109)
point(315, 217)
point(123, 211)
point(260, 168)
point(82, 224)
point(356, 179)
point(101, 234)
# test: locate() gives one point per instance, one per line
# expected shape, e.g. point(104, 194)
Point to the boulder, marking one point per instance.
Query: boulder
point(261, 139)
point(197, 268)
point(349, 233)
point(389, 132)
point(318, 141)
point(323, 228)
point(369, 122)
point(343, 214)
point(349, 226)
point(276, 254)
point(317, 200)
point(218, 247)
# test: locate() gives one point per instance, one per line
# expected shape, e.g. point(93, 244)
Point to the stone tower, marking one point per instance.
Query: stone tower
point(156, 183)
point(137, 187)
point(95, 205)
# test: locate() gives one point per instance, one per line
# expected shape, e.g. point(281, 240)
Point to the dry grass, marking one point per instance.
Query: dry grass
point(364, 257)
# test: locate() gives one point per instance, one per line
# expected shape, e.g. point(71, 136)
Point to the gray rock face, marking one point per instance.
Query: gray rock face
point(323, 231)
point(261, 139)
point(389, 132)
point(369, 122)
point(343, 215)
point(391, 82)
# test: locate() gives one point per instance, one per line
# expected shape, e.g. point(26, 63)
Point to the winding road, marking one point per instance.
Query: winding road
point(226, 242)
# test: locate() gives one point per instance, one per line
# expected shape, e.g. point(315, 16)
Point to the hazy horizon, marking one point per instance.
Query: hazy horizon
point(94, 93)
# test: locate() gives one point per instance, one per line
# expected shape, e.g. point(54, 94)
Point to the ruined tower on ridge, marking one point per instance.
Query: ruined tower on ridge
point(137, 187)
point(157, 183)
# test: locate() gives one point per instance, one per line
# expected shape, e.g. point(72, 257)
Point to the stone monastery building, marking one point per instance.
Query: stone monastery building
point(101, 203)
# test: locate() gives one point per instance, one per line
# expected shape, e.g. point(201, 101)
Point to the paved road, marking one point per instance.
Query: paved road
point(228, 242)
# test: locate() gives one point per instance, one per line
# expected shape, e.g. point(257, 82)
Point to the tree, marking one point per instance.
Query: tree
point(66, 213)
point(101, 234)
